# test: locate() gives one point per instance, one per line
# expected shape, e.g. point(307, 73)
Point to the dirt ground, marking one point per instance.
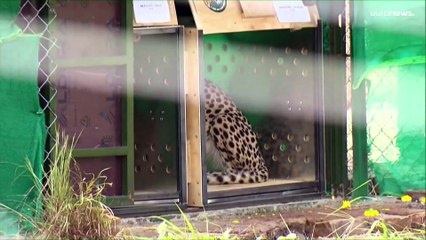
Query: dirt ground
point(320, 218)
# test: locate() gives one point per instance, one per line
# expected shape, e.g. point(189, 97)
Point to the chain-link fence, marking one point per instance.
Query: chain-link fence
point(36, 17)
point(395, 128)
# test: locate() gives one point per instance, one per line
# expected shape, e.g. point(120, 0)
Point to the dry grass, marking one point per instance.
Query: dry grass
point(67, 211)
point(74, 212)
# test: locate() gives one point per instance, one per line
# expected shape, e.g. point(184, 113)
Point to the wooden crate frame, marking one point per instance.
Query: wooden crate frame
point(232, 19)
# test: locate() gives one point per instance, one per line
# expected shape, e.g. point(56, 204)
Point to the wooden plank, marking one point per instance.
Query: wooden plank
point(193, 111)
point(173, 17)
point(232, 19)
point(270, 182)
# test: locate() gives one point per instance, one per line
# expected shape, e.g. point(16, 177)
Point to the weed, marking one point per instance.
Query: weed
point(64, 209)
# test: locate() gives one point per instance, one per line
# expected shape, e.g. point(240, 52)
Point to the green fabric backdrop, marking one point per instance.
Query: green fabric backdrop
point(22, 122)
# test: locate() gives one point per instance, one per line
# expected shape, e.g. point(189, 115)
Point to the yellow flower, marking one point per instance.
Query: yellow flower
point(406, 198)
point(290, 236)
point(346, 204)
point(423, 200)
point(235, 221)
point(371, 212)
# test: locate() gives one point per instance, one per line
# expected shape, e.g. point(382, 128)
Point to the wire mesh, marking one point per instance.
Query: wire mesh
point(36, 17)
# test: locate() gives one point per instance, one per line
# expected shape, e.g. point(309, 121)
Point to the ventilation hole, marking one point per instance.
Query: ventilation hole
point(304, 73)
point(290, 137)
point(160, 158)
point(307, 160)
point(266, 146)
point(209, 68)
point(166, 82)
point(217, 58)
point(254, 70)
point(258, 135)
point(145, 158)
point(289, 109)
point(136, 147)
point(274, 157)
point(262, 59)
point(169, 170)
point(138, 169)
point(290, 158)
point(224, 47)
point(152, 147)
point(271, 49)
point(298, 148)
point(157, 71)
point(288, 72)
point(295, 62)
point(280, 61)
point(288, 102)
point(287, 50)
point(209, 46)
point(136, 37)
point(272, 72)
point(141, 70)
point(168, 147)
point(153, 169)
point(283, 147)
point(165, 59)
point(306, 138)
point(274, 136)
point(232, 58)
point(148, 59)
point(224, 69)
point(304, 51)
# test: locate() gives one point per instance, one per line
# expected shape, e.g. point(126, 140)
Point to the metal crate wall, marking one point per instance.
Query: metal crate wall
point(275, 79)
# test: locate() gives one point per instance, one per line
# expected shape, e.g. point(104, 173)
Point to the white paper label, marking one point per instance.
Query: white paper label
point(154, 11)
point(291, 11)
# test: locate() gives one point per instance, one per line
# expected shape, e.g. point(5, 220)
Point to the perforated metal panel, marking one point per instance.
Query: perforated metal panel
point(158, 111)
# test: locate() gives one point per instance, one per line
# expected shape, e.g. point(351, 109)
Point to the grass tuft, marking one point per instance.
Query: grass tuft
point(74, 212)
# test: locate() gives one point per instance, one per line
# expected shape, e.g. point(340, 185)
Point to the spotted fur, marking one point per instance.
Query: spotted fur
point(231, 142)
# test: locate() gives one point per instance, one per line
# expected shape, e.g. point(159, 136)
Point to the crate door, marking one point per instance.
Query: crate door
point(158, 114)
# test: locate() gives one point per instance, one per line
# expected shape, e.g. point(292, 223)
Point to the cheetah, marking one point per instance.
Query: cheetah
point(231, 143)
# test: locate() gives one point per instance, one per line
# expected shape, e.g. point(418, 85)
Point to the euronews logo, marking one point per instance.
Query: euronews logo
point(392, 13)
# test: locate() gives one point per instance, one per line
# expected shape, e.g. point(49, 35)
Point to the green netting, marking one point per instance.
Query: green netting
point(22, 129)
point(389, 53)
